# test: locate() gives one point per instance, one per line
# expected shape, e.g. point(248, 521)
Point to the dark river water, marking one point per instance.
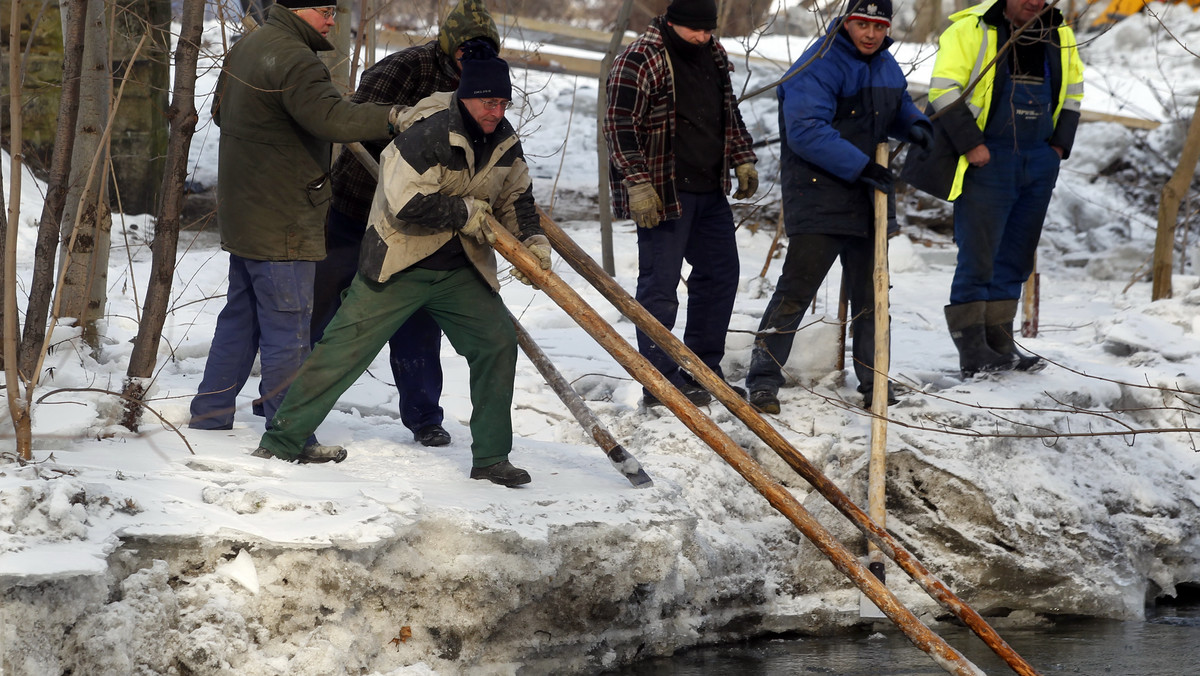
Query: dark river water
point(1166, 644)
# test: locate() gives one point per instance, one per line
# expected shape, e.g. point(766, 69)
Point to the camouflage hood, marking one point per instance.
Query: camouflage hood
point(468, 19)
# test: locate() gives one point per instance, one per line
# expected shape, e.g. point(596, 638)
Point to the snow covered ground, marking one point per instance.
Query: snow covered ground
point(1073, 491)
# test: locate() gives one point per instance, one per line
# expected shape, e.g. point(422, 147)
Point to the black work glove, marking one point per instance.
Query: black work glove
point(877, 176)
point(921, 135)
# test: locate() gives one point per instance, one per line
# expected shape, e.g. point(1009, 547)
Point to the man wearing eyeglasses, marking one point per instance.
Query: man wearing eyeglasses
point(402, 78)
point(455, 161)
point(278, 112)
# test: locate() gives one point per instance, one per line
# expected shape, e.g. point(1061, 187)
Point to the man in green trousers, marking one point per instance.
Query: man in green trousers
point(456, 161)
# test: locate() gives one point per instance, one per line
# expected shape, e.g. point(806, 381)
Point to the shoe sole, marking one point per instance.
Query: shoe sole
point(301, 459)
point(305, 460)
point(508, 483)
point(771, 408)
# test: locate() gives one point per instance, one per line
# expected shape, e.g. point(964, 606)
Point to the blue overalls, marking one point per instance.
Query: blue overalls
point(998, 217)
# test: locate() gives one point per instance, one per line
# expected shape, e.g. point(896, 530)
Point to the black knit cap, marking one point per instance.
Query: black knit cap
point(484, 74)
point(878, 11)
point(698, 15)
point(305, 4)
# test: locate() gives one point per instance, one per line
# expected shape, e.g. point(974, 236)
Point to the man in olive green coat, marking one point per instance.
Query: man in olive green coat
point(278, 112)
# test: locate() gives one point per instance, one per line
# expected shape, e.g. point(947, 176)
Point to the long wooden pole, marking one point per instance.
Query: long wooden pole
point(877, 467)
point(605, 197)
point(578, 259)
point(1030, 302)
point(621, 459)
point(779, 497)
point(842, 313)
point(20, 387)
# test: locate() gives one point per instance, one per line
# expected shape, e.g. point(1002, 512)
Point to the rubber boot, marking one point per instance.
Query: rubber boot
point(998, 319)
point(965, 321)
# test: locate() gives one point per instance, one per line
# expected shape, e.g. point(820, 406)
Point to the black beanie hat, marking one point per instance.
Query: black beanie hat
point(484, 74)
point(305, 4)
point(698, 15)
point(879, 11)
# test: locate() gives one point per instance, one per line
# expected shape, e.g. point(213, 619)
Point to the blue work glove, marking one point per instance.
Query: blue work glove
point(877, 176)
point(921, 135)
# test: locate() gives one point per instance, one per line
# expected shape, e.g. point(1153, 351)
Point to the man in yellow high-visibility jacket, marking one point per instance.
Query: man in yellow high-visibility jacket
point(1010, 122)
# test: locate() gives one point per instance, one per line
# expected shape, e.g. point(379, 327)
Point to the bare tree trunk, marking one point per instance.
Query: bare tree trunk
point(4, 266)
point(182, 116)
point(1168, 208)
point(16, 388)
point(87, 220)
point(606, 234)
point(929, 14)
point(41, 288)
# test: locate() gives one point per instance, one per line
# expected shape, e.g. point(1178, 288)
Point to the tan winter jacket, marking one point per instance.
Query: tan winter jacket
point(428, 189)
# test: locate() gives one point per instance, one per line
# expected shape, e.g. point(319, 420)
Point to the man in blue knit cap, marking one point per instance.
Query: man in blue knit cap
point(402, 78)
point(456, 161)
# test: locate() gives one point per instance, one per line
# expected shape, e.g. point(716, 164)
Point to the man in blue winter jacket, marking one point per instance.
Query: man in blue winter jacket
point(842, 97)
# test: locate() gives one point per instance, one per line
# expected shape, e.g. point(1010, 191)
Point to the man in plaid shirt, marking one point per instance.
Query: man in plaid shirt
point(674, 131)
point(402, 78)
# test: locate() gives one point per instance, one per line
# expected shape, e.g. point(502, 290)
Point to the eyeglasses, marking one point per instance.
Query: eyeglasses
point(326, 13)
point(492, 104)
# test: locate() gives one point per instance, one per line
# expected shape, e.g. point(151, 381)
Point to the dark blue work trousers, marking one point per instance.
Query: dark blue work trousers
point(267, 312)
point(998, 222)
point(809, 257)
point(998, 217)
point(414, 349)
point(704, 237)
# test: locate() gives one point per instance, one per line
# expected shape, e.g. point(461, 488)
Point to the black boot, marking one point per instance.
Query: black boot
point(965, 321)
point(868, 395)
point(999, 317)
point(312, 453)
point(503, 473)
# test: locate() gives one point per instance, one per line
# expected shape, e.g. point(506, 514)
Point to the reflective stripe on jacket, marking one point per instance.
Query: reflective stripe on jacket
point(968, 46)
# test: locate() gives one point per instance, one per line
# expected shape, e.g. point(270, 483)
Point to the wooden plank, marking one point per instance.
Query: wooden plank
point(394, 40)
point(597, 39)
point(1131, 122)
point(584, 66)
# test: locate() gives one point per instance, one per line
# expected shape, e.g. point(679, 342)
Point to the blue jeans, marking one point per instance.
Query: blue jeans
point(415, 348)
point(703, 236)
point(267, 312)
point(998, 221)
